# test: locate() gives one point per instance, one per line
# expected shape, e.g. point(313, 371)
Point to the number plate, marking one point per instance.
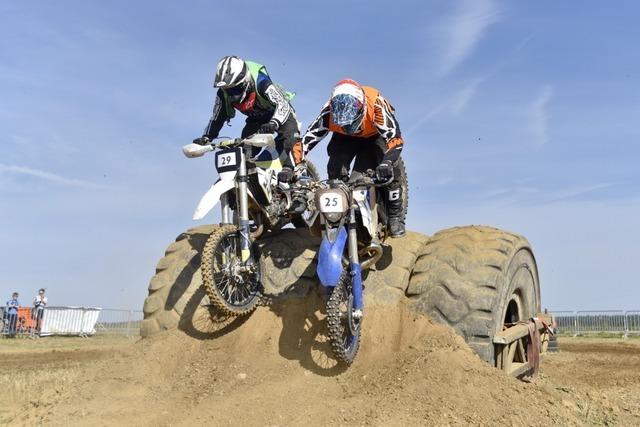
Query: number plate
point(331, 203)
point(227, 160)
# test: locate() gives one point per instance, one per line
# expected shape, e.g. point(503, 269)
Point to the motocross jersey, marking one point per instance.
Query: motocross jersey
point(378, 118)
point(265, 101)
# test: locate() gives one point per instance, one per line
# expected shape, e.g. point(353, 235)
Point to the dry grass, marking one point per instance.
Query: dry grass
point(20, 344)
point(25, 386)
point(36, 374)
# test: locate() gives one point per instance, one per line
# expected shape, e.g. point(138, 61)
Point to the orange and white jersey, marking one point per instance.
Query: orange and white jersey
point(378, 119)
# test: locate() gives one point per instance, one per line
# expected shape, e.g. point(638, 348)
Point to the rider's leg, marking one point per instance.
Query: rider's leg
point(395, 211)
point(287, 135)
point(370, 159)
point(341, 150)
point(251, 126)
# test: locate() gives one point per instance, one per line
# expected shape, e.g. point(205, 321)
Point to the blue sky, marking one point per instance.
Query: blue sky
point(521, 115)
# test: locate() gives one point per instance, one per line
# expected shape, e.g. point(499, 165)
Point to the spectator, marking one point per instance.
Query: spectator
point(12, 314)
point(39, 303)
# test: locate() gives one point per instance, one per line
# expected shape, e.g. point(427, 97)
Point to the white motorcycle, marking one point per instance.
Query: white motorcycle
point(252, 201)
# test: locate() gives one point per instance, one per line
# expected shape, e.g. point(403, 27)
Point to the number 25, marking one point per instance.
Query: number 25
point(331, 201)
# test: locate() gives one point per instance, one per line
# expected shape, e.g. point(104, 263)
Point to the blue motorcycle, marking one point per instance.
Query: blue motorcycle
point(353, 222)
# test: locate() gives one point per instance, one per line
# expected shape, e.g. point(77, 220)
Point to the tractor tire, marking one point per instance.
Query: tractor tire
point(288, 259)
point(475, 279)
point(177, 296)
point(176, 281)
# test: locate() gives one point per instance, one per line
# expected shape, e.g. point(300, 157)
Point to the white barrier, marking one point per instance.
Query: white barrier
point(79, 321)
point(69, 321)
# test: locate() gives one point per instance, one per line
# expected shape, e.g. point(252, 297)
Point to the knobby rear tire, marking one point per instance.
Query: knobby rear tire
point(404, 184)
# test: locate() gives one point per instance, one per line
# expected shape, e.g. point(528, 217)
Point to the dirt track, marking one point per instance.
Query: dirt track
point(265, 372)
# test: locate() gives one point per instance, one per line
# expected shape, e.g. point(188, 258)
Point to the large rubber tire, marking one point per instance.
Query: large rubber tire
point(175, 282)
point(211, 287)
point(472, 279)
point(298, 221)
point(289, 262)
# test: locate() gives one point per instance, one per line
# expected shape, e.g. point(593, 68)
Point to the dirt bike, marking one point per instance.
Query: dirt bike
point(352, 216)
point(252, 201)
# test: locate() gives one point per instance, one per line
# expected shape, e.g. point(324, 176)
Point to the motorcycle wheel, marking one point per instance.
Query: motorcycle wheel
point(230, 289)
point(344, 331)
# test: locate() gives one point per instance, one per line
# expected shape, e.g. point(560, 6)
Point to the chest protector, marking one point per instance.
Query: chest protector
point(368, 127)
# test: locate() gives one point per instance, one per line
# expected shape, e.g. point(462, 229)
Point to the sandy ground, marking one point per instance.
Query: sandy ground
point(270, 371)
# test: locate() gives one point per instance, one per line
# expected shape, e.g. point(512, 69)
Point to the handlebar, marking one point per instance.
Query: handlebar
point(370, 179)
point(256, 140)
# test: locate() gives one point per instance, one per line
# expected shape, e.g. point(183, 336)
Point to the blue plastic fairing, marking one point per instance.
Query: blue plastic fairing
point(330, 259)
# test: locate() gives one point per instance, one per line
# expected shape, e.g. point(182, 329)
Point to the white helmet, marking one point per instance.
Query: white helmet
point(232, 76)
point(347, 106)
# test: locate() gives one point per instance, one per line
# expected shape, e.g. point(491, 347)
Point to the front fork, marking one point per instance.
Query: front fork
point(242, 193)
point(355, 271)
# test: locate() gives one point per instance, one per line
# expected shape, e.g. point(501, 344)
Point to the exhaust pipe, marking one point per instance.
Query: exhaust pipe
point(373, 251)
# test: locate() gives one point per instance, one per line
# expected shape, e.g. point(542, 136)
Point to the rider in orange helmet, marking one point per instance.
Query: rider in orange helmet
point(365, 128)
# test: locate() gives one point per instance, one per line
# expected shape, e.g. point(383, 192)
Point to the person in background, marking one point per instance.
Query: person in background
point(12, 314)
point(39, 303)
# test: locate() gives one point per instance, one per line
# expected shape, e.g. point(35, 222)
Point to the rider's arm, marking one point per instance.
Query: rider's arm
point(218, 117)
point(389, 128)
point(281, 106)
point(317, 130)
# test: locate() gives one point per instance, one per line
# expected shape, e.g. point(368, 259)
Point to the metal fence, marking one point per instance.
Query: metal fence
point(80, 321)
point(119, 322)
point(85, 321)
point(583, 322)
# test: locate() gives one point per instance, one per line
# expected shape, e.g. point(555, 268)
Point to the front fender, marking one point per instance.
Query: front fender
point(330, 259)
point(211, 197)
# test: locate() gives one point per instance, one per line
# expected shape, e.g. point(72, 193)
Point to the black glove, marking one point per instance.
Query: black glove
point(203, 140)
point(269, 127)
point(384, 171)
point(285, 175)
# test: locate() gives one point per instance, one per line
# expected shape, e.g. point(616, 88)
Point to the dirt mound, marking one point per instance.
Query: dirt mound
point(276, 369)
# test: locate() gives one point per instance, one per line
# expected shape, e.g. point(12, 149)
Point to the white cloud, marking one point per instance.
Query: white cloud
point(461, 98)
point(48, 176)
point(519, 194)
point(539, 117)
point(453, 105)
point(464, 30)
point(571, 193)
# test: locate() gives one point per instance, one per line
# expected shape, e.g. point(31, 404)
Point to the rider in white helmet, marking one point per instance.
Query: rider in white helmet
point(246, 86)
